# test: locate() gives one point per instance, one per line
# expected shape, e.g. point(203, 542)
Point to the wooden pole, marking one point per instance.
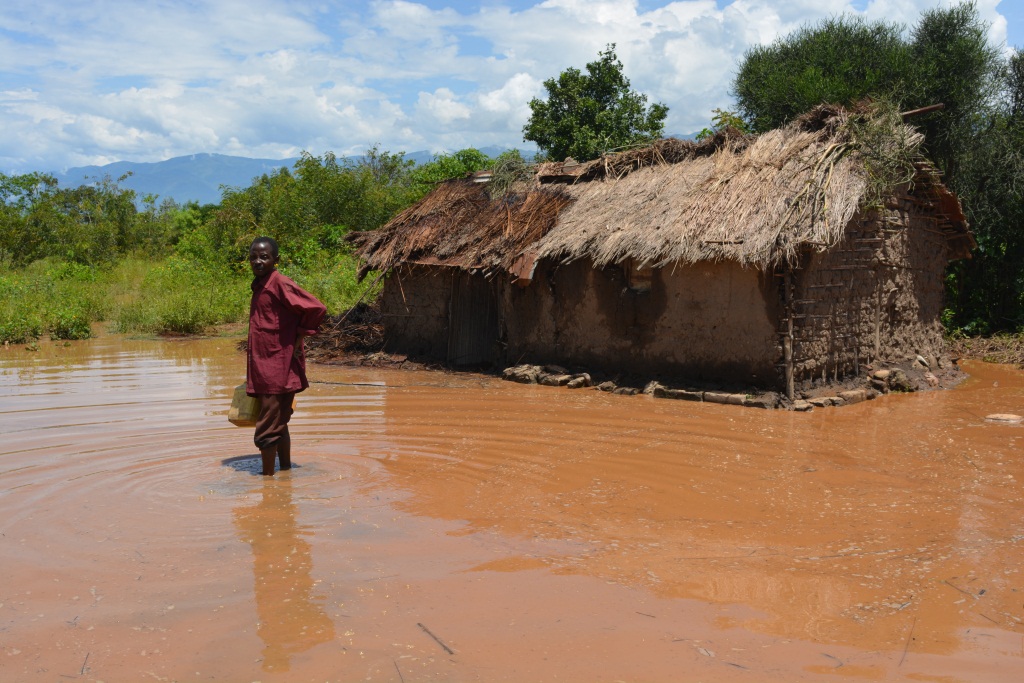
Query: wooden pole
point(923, 110)
point(787, 341)
point(878, 316)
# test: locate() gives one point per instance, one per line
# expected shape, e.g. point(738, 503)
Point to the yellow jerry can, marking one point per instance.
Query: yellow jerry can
point(244, 409)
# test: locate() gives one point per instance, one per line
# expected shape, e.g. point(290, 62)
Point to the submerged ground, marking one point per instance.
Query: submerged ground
point(460, 528)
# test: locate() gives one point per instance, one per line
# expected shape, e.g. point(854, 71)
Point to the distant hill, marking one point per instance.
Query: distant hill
point(198, 177)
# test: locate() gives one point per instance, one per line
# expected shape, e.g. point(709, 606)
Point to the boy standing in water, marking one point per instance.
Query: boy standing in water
point(280, 315)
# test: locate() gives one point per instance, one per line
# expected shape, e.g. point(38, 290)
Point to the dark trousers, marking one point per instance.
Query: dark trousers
point(275, 411)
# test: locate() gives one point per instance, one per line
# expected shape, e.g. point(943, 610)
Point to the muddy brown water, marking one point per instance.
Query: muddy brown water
point(456, 527)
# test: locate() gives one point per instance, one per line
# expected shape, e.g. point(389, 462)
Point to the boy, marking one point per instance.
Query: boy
point(280, 315)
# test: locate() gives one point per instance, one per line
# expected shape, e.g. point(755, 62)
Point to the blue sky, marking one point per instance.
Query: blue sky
point(97, 81)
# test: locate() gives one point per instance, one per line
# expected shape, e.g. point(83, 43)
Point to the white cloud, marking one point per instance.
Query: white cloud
point(118, 79)
point(442, 106)
point(513, 96)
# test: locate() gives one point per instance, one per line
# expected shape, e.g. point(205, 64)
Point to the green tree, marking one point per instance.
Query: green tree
point(722, 119)
point(91, 224)
point(945, 59)
point(953, 63)
point(589, 114)
point(20, 196)
point(310, 207)
point(446, 166)
point(987, 290)
point(839, 60)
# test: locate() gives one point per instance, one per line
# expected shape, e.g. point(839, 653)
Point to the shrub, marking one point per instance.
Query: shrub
point(186, 314)
point(15, 330)
point(70, 324)
point(134, 317)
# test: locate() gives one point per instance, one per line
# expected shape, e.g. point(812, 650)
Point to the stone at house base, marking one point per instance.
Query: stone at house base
point(854, 395)
point(872, 381)
point(1008, 418)
point(651, 387)
point(524, 374)
point(679, 394)
point(720, 397)
point(898, 381)
point(765, 402)
point(826, 401)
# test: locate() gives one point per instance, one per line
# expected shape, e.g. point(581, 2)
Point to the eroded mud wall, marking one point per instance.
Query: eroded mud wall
point(415, 305)
point(713, 321)
point(877, 296)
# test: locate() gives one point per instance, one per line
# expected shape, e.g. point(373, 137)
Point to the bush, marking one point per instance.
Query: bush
point(20, 321)
point(70, 324)
point(15, 330)
point(186, 314)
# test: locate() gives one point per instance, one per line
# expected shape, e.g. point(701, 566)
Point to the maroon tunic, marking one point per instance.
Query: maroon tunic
point(279, 310)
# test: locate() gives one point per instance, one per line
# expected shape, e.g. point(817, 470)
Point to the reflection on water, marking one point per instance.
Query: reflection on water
point(541, 533)
point(291, 619)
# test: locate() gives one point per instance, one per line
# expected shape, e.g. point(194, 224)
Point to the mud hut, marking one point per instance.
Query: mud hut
point(772, 261)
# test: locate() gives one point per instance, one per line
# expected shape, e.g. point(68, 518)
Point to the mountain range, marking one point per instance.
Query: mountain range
point(199, 177)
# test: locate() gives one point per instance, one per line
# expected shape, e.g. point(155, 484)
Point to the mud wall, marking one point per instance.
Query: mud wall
point(415, 303)
point(712, 321)
point(877, 296)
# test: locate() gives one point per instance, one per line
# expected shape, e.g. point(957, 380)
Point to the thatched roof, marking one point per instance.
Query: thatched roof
point(459, 224)
point(756, 200)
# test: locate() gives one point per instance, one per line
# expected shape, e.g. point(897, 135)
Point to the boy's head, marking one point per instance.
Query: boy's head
point(263, 255)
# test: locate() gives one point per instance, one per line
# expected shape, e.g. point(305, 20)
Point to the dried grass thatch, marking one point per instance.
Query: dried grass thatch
point(755, 200)
point(459, 224)
point(666, 151)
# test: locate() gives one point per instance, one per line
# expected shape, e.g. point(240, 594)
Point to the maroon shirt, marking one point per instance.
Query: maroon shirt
point(279, 310)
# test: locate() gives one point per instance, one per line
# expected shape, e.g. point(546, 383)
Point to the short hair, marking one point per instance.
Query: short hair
point(269, 241)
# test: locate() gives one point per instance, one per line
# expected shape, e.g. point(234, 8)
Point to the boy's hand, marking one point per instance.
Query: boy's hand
point(298, 350)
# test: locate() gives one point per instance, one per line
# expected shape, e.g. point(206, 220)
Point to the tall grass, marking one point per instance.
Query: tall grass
point(174, 296)
point(178, 296)
point(329, 278)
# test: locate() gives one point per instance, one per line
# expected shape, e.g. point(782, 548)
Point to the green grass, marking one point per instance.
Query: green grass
point(177, 296)
point(50, 297)
point(171, 296)
point(333, 281)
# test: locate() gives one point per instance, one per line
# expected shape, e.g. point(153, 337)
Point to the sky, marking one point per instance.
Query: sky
point(87, 82)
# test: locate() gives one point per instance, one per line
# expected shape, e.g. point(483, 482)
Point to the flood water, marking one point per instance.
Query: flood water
point(456, 527)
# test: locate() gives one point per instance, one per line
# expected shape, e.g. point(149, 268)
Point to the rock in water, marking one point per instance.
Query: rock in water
point(1008, 418)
